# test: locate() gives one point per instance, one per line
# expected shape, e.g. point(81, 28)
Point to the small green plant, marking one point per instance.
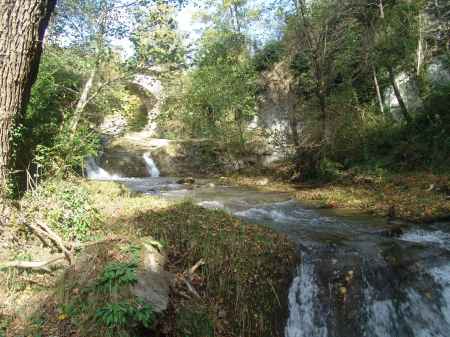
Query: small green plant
point(133, 250)
point(118, 311)
point(117, 275)
point(120, 314)
point(4, 323)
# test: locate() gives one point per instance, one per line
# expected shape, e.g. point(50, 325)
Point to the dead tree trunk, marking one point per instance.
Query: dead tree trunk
point(398, 95)
point(381, 7)
point(83, 101)
point(377, 88)
point(22, 28)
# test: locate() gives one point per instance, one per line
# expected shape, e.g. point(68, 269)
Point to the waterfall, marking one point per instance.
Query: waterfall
point(95, 172)
point(303, 302)
point(441, 276)
point(151, 166)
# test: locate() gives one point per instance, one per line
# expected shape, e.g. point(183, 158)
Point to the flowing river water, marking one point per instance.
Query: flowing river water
point(356, 278)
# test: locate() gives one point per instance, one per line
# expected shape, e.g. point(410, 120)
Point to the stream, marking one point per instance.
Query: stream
point(355, 278)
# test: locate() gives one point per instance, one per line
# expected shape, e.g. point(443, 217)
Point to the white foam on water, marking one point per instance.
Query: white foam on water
point(303, 299)
point(152, 169)
point(423, 317)
point(441, 276)
point(382, 319)
point(276, 212)
point(211, 204)
point(95, 172)
point(440, 238)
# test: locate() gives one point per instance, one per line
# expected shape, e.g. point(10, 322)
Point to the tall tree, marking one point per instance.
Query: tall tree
point(22, 28)
point(156, 39)
point(91, 26)
point(322, 41)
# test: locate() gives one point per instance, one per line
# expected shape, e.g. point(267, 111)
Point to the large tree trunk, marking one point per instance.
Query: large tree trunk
point(22, 28)
point(398, 95)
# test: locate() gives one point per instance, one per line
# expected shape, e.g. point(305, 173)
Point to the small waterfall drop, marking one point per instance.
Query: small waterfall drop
point(303, 302)
point(151, 166)
point(95, 172)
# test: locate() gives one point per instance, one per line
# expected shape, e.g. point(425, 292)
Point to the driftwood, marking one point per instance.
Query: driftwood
point(34, 265)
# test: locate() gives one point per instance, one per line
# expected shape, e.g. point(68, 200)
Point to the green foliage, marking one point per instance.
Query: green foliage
point(397, 43)
point(156, 39)
point(68, 152)
point(66, 207)
point(105, 304)
point(270, 54)
point(116, 275)
point(218, 97)
point(118, 315)
point(119, 312)
point(52, 95)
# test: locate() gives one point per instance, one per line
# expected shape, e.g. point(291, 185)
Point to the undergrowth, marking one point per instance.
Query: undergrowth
point(94, 297)
point(66, 207)
point(242, 286)
point(246, 274)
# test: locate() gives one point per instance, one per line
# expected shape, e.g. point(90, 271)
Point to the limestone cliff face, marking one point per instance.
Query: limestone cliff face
point(436, 74)
point(277, 99)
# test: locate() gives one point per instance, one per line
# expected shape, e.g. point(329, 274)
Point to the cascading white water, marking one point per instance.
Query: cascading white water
point(95, 172)
point(442, 277)
point(394, 293)
point(438, 237)
point(151, 166)
point(302, 304)
point(422, 315)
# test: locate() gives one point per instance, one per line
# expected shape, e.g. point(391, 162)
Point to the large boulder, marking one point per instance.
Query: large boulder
point(153, 285)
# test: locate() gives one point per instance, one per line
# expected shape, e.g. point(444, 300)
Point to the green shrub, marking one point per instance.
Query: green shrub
point(68, 152)
point(66, 207)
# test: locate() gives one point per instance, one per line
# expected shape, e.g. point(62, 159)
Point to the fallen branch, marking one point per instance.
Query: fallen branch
point(34, 265)
point(191, 288)
point(44, 230)
point(200, 262)
point(78, 246)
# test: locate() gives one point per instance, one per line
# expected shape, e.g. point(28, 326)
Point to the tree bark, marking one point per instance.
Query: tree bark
point(419, 52)
point(83, 101)
point(293, 124)
point(398, 95)
point(323, 116)
point(381, 7)
point(377, 88)
point(22, 29)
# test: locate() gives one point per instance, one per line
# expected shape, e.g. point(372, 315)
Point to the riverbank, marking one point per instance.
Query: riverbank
point(239, 288)
point(415, 196)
